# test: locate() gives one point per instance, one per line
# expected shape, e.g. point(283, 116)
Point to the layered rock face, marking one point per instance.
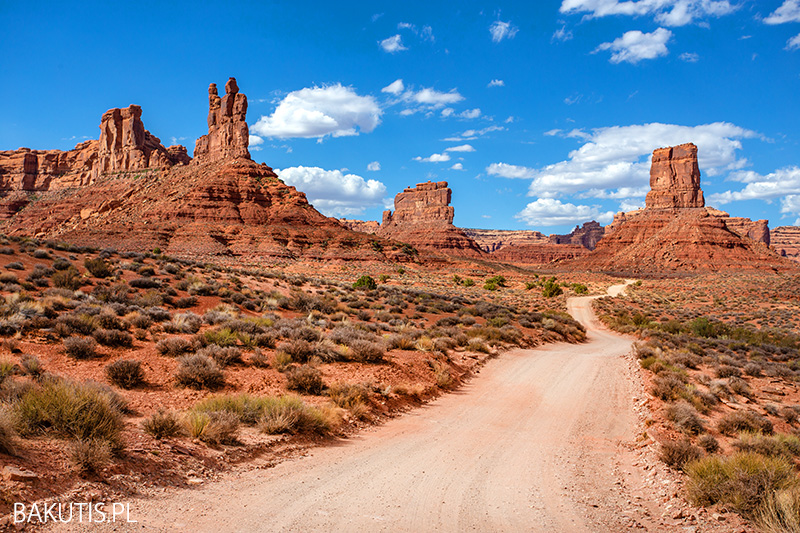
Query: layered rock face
point(675, 232)
point(587, 235)
point(126, 145)
point(228, 135)
point(364, 226)
point(675, 178)
point(423, 217)
point(539, 254)
point(492, 240)
point(40, 170)
point(786, 242)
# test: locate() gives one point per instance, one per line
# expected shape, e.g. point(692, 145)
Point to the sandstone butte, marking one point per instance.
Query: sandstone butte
point(676, 232)
point(423, 217)
point(126, 190)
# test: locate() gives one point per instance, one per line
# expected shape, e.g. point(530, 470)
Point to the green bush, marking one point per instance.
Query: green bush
point(365, 282)
point(551, 289)
point(98, 267)
point(68, 279)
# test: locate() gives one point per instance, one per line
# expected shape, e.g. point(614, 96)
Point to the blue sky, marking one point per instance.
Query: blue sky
point(541, 115)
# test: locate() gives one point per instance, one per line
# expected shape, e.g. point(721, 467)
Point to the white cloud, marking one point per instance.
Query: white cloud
point(434, 158)
point(790, 206)
point(334, 193)
point(447, 111)
point(405, 26)
point(782, 182)
point(396, 87)
point(789, 11)
point(319, 111)
point(392, 44)
point(460, 148)
point(427, 34)
point(689, 57)
point(432, 97)
point(255, 140)
point(502, 30)
point(496, 83)
point(457, 166)
point(634, 46)
point(618, 158)
point(793, 43)
point(562, 34)
point(631, 205)
point(667, 12)
point(374, 166)
point(470, 113)
point(469, 135)
point(551, 212)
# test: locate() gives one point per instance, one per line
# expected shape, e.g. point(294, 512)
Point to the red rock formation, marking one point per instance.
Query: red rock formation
point(492, 240)
point(586, 236)
point(786, 242)
point(538, 254)
point(364, 226)
point(758, 230)
point(228, 135)
point(40, 170)
point(126, 145)
point(675, 178)
point(423, 217)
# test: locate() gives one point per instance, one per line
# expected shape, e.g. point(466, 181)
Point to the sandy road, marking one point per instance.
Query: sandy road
point(539, 441)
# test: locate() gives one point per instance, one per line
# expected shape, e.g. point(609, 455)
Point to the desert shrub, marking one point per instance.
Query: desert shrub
point(753, 369)
point(726, 371)
point(668, 386)
point(76, 410)
point(8, 435)
point(305, 378)
point(61, 264)
point(741, 481)
point(80, 323)
point(400, 342)
point(125, 373)
point(184, 323)
point(299, 350)
point(676, 454)
point(259, 360)
point(551, 289)
point(162, 425)
point(174, 346)
point(31, 366)
point(772, 445)
point(98, 267)
point(89, 456)
point(289, 414)
point(158, 314)
point(113, 337)
point(80, 347)
point(349, 395)
point(580, 288)
point(221, 337)
point(365, 282)
point(186, 302)
point(443, 376)
point(708, 443)
point(5, 250)
point(7, 369)
point(144, 283)
point(478, 345)
point(68, 279)
point(780, 512)
point(16, 265)
point(41, 254)
point(212, 427)
point(366, 352)
point(732, 423)
point(223, 356)
point(685, 417)
point(199, 372)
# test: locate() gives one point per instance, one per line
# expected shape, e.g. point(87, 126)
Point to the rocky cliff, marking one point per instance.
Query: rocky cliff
point(423, 217)
point(675, 232)
point(492, 240)
point(538, 254)
point(587, 235)
point(228, 135)
point(786, 241)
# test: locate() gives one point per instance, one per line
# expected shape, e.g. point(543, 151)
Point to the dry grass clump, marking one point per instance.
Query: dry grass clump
point(685, 417)
point(223, 356)
point(676, 454)
point(351, 396)
point(199, 372)
point(8, 435)
point(737, 421)
point(305, 378)
point(289, 414)
point(780, 512)
point(771, 445)
point(125, 373)
point(216, 427)
point(162, 425)
point(174, 346)
point(113, 337)
point(89, 456)
point(80, 347)
point(299, 350)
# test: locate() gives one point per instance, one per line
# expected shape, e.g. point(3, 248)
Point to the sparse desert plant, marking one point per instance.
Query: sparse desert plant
point(259, 360)
point(31, 366)
point(551, 289)
point(741, 481)
point(676, 454)
point(685, 417)
point(349, 395)
point(305, 378)
point(68, 279)
point(732, 423)
point(771, 445)
point(212, 427)
point(7, 369)
point(125, 373)
point(289, 414)
point(80, 347)
point(174, 346)
point(89, 456)
point(283, 361)
point(98, 267)
point(780, 512)
point(708, 443)
point(113, 337)
point(400, 342)
point(223, 356)
point(162, 425)
point(199, 372)
point(8, 435)
point(365, 351)
point(299, 350)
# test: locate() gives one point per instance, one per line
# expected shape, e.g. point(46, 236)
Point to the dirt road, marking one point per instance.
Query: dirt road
point(540, 440)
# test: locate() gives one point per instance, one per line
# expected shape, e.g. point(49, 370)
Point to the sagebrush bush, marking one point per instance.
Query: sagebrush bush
point(708, 443)
point(199, 372)
point(212, 427)
point(289, 414)
point(771, 445)
point(89, 456)
point(732, 423)
point(223, 356)
point(162, 425)
point(113, 337)
point(348, 395)
point(8, 435)
point(366, 352)
point(676, 454)
point(741, 481)
point(174, 346)
point(125, 373)
point(780, 512)
point(68, 279)
point(80, 347)
point(305, 378)
point(299, 350)
point(685, 417)
point(98, 267)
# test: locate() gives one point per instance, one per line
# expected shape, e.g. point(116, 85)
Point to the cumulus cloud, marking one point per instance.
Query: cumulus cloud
point(374, 166)
point(396, 87)
point(254, 142)
point(689, 57)
point(319, 111)
point(782, 182)
point(634, 46)
point(457, 166)
point(470, 113)
point(551, 212)
point(793, 43)
point(790, 206)
point(667, 12)
point(392, 44)
point(615, 161)
point(333, 192)
point(432, 97)
point(469, 135)
point(496, 83)
point(500, 30)
point(789, 11)
point(460, 148)
point(434, 158)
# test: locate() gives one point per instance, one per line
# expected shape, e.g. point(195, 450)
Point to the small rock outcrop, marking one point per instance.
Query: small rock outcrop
point(363, 226)
point(228, 135)
point(538, 254)
point(675, 178)
point(126, 145)
point(587, 235)
point(423, 217)
point(786, 241)
point(492, 240)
